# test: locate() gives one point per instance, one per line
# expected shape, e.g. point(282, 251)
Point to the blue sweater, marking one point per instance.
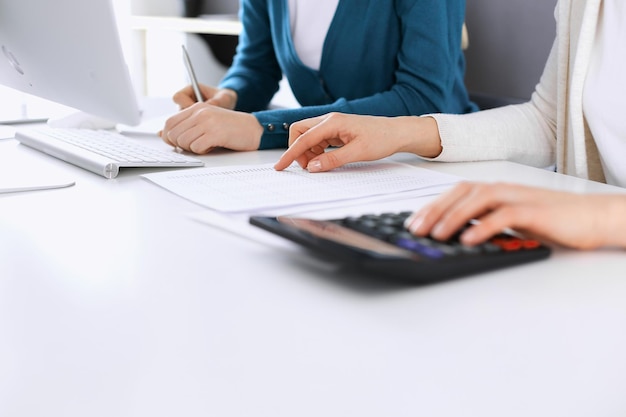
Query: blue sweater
point(380, 57)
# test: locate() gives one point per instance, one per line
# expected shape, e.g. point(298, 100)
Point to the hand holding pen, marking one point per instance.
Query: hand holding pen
point(197, 92)
point(210, 123)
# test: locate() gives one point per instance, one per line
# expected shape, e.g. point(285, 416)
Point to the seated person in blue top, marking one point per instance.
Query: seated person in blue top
point(376, 57)
point(574, 120)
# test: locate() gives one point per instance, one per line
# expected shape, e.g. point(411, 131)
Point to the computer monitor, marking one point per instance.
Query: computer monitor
point(69, 52)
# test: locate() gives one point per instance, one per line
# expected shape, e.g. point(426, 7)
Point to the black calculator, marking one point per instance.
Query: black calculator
point(379, 244)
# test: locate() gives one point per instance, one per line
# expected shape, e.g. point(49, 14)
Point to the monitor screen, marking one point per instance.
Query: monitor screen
point(69, 52)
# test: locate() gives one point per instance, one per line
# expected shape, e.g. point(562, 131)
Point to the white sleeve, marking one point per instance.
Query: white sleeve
point(524, 133)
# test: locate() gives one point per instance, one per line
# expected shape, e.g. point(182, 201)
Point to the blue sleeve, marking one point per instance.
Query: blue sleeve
point(428, 78)
point(255, 72)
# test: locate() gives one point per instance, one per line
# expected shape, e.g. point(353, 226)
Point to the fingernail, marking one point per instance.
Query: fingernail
point(437, 230)
point(468, 237)
point(413, 223)
point(314, 166)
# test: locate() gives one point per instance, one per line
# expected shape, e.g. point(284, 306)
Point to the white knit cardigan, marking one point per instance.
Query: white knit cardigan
point(551, 127)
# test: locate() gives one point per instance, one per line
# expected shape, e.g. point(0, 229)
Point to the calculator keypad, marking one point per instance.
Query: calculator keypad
point(390, 228)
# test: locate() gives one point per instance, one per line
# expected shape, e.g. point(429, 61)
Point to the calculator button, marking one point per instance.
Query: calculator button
point(468, 249)
point(531, 244)
point(491, 248)
point(421, 248)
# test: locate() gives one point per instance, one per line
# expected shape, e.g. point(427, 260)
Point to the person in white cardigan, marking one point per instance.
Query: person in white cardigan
point(574, 121)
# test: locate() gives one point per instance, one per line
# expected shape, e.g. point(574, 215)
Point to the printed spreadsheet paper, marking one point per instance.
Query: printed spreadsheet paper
point(252, 188)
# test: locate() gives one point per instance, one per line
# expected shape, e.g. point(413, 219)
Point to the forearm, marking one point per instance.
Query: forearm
point(612, 222)
point(418, 135)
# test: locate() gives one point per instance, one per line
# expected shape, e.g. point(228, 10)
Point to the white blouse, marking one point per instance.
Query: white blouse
point(604, 96)
point(310, 20)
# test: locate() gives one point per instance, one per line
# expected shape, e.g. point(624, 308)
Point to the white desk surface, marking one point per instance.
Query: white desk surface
point(113, 302)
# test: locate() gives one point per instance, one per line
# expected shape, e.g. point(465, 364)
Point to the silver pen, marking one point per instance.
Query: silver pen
point(192, 76)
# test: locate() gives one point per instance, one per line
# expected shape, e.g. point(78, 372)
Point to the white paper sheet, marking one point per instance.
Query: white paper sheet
point(254, 188)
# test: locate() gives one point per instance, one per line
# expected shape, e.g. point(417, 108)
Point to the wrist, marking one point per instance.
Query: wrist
point(615, 227)
point(255, 132)
point(421, 136)
point(231, 97)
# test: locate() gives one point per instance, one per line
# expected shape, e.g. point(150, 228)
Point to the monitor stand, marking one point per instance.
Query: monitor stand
point(17, 107)
point(79, 119)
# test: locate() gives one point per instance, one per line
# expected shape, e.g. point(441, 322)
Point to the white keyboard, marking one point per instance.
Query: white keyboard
point(101, 151)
